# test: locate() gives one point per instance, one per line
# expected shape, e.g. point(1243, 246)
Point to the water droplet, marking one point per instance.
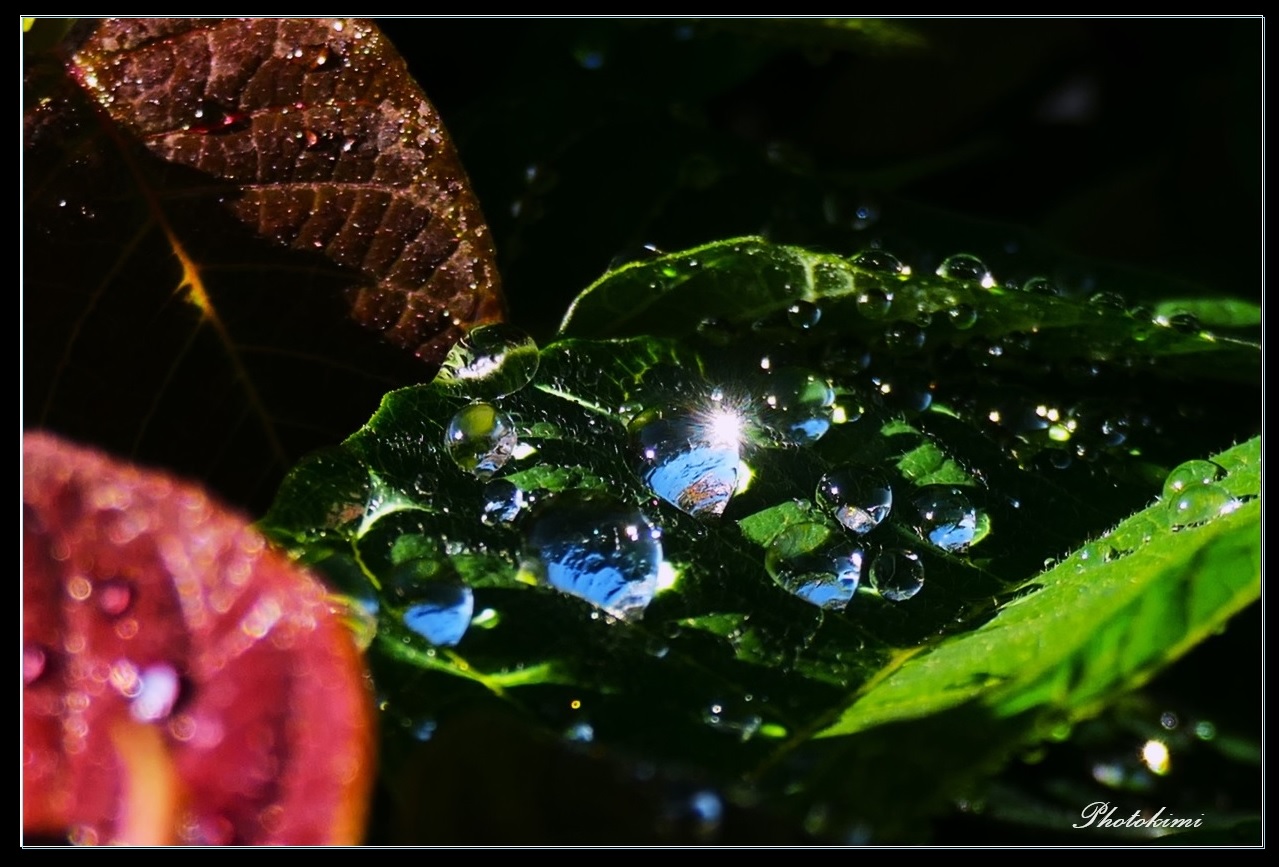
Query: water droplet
point(692, 460)
point(1184, 323)
point(1191, 474)
point(967, 267)
point(592, 546)
point(441, 612)
point(962, 316)
point(874, 302)
point(503, 502)
point(1108, 300)
point(158, 688)
point(797, 406)
point(945, 516)
point(1199, 504)
point(115, 596)
point(859, 499)
point(1168, 720)
point(904, 337)
point(879, 261)
point(715, 331)
point(480, 439)
point(695, 815)
point(897, 574)
point(826, 576)
point(804, 315)
point(491, 361)
point(1042, 286)
point(34, 661)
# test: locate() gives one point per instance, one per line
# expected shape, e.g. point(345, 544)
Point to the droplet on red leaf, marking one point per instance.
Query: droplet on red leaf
point(184, 683)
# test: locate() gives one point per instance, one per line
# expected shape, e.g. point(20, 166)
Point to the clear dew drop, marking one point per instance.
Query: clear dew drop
point(859, 499)
point(897, 575)
point(692, 460)
point(796, 406)
point(1199, 504)
point(503, 503)
point(1042, 286)
point(480, 439)
point(879, 261)
point(826, 576)
point(441, 612)
point(1184, 323)
point(594, 547)
point(962, 316)
point(803, 315)
point(1191, 474)
point(873, 301)
point(966, 267)
point(945, 516)
point(491, 361)
point(115, 596)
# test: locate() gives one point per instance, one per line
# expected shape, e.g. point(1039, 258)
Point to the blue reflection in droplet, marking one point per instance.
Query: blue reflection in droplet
point(691, 463)
point(442, 614)
point(597, 548)
point(945, 517)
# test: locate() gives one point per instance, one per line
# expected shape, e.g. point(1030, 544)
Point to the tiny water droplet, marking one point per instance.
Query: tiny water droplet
point(962, 316)
point(480, 439)
point(1108, 300)
point(858, 498)
point(804, 315)
point(966, 267)
point(796, 406)
point(904, 337)
point(441, 612)
point(491, 361)
point(897, 574)
point(880, 261)
point(1042, 286)
point(594, 547)
point(945, 516)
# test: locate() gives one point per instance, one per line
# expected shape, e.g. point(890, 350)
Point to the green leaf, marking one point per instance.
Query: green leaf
point(745, 678)
point(1103, 619)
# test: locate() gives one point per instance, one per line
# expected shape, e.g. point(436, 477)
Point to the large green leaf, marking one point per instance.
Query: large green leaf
point(728, 671)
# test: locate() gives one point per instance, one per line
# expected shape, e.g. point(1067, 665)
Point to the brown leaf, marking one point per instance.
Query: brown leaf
point(330, 145)
point(182, 681)
point(165, 318)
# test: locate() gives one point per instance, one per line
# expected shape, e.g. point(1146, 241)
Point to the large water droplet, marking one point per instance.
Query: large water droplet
point(945, 516)
point(503, 502)
point(858, 498)
point(826, 577)
point(1191, 474)
point(692, 460)
point(873, 301)
point(490, 362)
point(967, 267)
point(441, 613)
point(897, 575)
point(797, 406)
point(597, 548)
point(1199, 504)
point(481, 438)
point(962, 316)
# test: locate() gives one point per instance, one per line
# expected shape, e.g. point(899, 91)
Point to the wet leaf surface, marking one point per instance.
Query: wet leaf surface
point(781, 616)
point(183, 683)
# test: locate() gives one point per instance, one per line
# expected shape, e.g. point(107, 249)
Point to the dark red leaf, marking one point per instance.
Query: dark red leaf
point(330, 145)
point(182, 681)
point(205, 213)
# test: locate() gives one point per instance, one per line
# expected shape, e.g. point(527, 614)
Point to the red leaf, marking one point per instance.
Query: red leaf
point(182, 681)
